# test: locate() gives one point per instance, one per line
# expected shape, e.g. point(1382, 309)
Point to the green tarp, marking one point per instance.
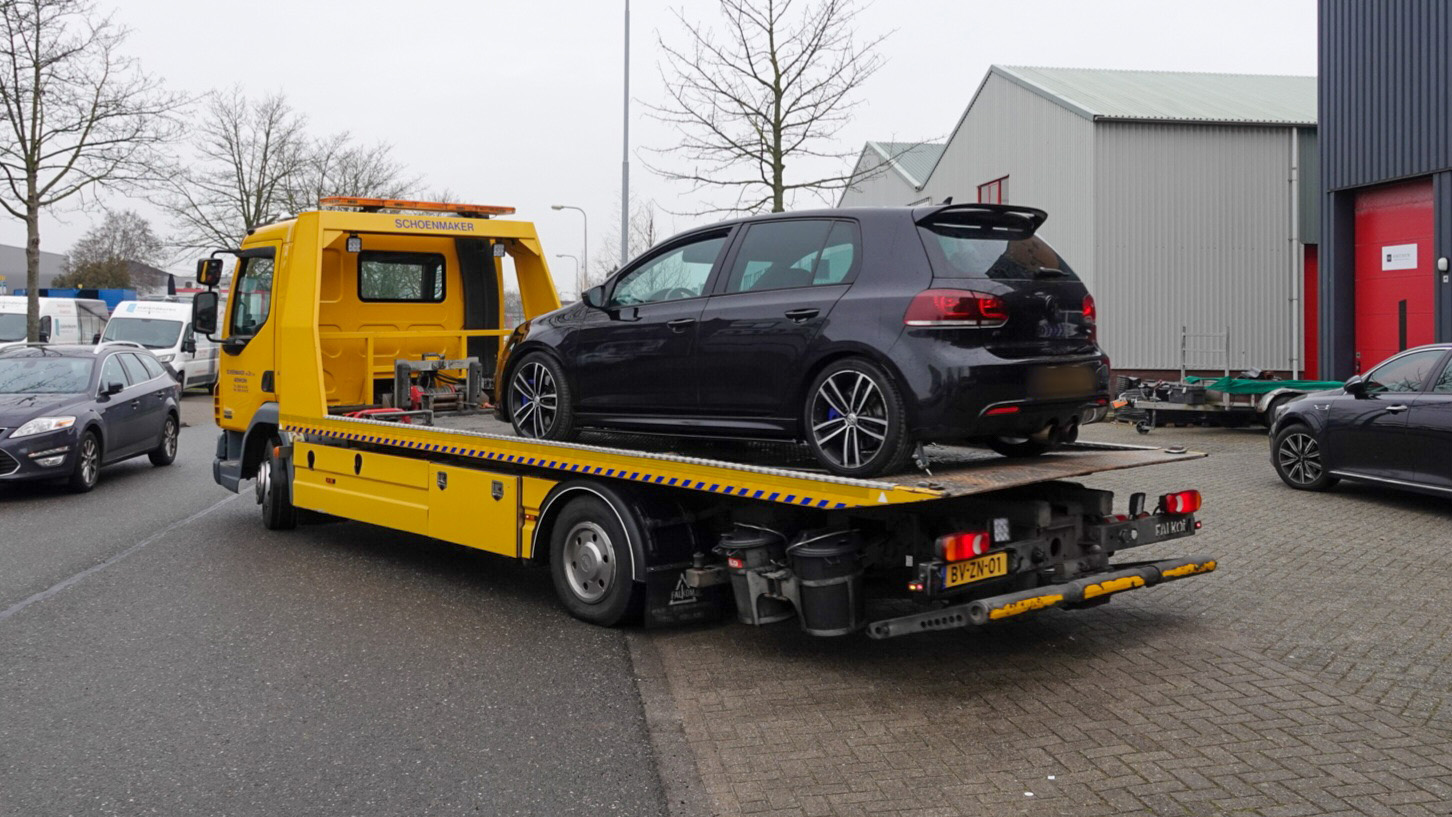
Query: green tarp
point(1236, 385)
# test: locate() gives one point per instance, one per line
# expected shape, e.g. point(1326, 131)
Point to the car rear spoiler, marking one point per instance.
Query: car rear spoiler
point(1005, 217)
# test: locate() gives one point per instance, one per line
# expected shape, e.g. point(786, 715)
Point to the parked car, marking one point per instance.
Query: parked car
point(62, 320)
point(165, 327)
point(861, 332)
point(65, 411)
point(1392, 426)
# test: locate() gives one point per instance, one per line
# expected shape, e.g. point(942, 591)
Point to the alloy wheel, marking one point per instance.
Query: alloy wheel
point(1299, 458)
point(536, 400)
point(168, 438)
point(849, 418)
point(90, 459)
point(589, 562)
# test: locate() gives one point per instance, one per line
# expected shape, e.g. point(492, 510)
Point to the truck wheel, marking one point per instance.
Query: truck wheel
point(278, 512)
point(590, 564)
point(87, 470)
point(1297, 458)
point(854, 421)
point(165, 451)
point(538, 399)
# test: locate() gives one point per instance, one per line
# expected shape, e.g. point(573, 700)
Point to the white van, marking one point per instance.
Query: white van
point(62, 320)
point(165, 328)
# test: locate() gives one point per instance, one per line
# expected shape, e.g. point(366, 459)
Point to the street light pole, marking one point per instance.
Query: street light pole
point(577, 268)
point(625, 153)
point(581, 264)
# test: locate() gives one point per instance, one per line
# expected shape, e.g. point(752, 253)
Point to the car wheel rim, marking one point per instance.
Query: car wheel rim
point(1300, 458)
point(849, 419)
point(89, 460)
point(535, 400)
point(589, 562)
point(169, 438)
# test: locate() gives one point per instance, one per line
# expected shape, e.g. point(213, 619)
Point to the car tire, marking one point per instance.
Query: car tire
point(590, 564)
point(86, 471)
point(1296, 455)
point(165, 451)
point(1019, 447)
point(278, 512)
point(533, 383)
point(853, 406)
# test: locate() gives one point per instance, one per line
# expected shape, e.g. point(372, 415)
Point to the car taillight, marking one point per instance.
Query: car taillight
point(956, 307)
point(1091, 316)
point(955, 547)
point(1181, 502)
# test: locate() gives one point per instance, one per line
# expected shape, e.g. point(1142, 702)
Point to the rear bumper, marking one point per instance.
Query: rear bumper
point(1091, 590)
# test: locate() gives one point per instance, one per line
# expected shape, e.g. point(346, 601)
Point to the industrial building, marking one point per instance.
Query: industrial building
point(1186, 201)
point(1386, 115)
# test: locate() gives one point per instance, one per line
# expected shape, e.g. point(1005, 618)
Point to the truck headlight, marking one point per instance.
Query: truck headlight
point(41, 425)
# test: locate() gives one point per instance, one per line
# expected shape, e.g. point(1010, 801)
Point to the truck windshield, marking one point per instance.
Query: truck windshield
point(12, 326)
point(153, 333)
point(31, 375)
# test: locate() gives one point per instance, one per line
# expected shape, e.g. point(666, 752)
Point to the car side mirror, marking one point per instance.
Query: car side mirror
point(96, 338)
point(204, 313)
point(114, 387)
point(45, 325)
point(1355, 386)
point(595, 297)
point(209, 271)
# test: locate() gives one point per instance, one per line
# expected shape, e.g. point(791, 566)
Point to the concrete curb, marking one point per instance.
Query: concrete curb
point(680, 779)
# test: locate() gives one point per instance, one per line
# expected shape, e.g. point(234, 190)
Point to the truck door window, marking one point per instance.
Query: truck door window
point(252, 298)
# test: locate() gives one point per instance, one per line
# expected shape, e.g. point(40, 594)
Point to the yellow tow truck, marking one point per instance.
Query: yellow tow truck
point(359, 345)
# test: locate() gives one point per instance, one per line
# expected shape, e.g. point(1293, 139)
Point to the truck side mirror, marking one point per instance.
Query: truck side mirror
point(189, 344)
point(45, 326)
point(204, 313)
point(209, 271)
point(595, 297)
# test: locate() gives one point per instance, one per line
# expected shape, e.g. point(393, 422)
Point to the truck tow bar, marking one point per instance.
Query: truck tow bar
point(1076, 592)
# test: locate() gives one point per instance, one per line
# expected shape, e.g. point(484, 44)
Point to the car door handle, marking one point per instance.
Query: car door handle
point(800, 315)
point(1396, 408)
point(136, 404)
point(680, 324)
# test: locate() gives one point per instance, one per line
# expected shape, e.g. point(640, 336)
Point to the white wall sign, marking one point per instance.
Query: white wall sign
point(1399, 256)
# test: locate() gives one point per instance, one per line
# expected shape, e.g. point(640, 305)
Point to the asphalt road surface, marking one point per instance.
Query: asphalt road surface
point(162, 653)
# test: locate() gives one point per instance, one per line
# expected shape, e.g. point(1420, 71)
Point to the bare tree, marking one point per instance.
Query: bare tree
point(104, 255)
point(769, 92)
point(644, 233)
point(336, 166)
point(78, 115)
point(246, 153)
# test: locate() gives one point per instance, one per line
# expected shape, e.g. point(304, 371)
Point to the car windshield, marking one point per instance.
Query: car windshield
point(12, 326)
point(44, 375)
point(153, 333)
point(971, 251)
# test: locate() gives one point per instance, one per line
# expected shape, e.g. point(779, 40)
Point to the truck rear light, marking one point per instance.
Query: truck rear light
point(956, 308)
point(955, 547)
point(1181, 502)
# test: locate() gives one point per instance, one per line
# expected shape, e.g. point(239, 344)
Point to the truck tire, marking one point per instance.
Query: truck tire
point(590, 563)
point(537, 400)
point(273, 491)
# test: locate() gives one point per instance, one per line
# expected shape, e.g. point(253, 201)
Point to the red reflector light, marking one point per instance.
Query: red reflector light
point(736, 562)
point(1181, 502)
point(1002, 410)
point(956, 307)
point(955, 547)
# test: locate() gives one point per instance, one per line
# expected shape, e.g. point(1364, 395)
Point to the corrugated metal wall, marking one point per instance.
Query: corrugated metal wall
point(1045, 151)
point(1194, 230)
point(880, 186)
point(1385, 114)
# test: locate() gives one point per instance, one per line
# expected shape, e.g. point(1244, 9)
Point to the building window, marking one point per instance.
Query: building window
point(992, 192)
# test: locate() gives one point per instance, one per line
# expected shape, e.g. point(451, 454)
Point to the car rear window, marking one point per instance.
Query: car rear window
point(976, 251)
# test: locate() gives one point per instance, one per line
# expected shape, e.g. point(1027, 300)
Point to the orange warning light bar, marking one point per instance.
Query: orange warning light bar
point(371, 205)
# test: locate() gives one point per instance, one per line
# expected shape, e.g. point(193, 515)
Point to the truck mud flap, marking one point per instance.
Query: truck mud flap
point(1089, 590)
point(670, 601)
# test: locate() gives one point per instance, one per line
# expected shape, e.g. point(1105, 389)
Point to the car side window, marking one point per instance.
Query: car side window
point(1404, 374)
point(675, 275)
point(134, 370)
point(1443, 383)
point(111, 372)
point(791, 254)
point(153, 366)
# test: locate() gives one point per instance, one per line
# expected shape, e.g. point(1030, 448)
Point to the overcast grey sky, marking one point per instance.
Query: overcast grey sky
point(519, 103)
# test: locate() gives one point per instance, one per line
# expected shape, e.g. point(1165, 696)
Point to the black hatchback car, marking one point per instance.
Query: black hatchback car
point(67, 410)
point(861, 332)
point(1391, 426)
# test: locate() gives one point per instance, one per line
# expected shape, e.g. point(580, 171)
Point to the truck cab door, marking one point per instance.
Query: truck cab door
point(248, 345)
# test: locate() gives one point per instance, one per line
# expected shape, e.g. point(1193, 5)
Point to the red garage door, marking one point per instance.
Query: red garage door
point(1394, 286)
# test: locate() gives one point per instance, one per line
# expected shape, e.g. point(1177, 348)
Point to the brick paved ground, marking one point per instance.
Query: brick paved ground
point(1309, 676)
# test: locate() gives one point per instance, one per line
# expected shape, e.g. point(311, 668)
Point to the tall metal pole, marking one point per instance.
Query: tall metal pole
point(625, 153)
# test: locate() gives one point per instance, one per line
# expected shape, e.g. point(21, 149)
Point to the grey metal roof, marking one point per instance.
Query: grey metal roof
point(912, 160)
point(1252, 99)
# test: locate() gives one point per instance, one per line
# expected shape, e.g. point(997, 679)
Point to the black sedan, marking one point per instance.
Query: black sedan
point(1392, 426)
point(861, 332)
point(65, 411)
